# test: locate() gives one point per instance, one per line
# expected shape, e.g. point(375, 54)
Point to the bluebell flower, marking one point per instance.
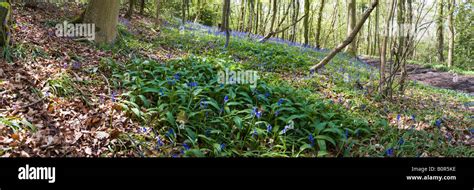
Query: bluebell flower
point(226, 99)
point(398, 117)
point(363, 106)
point(267, 94)
point(144, 130)
point(177, 76)
point(311, 139)
point(186, 146)
point(192, 84)
point(269, 128)
point(161, 92)
point(280, 101)
point(222, 146)
point(401, 141)
point(65, 65)
point(471, 131)
point(277, 113)
point(346, 134)
point(113, 96)
point(389, 152)
point(159, 142)
point(171, 82)
point(287, 127)
point(170, 133)
point(413, 118)
point(254, 134)
point(438, 123)
point(203, 103)
point(311, 72)
point(76, 65)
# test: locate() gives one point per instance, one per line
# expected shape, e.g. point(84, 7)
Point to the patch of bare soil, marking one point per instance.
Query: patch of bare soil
point(433, 77)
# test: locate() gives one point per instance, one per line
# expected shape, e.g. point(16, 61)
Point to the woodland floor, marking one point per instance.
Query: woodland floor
point(433, 77)
point(75, 123)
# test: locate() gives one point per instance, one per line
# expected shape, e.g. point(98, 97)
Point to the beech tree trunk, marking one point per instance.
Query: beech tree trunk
point(104, 14)
point(351, 21)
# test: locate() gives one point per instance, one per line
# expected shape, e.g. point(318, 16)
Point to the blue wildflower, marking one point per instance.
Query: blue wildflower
point(311, 139)
point(159, 142)
point(254, 134)
point(471, 131)
point(269, 128)
point(267, 94)
point(222, 146)
point(398, 117)
point(177, 76)
point(277, 113)
point(389, 152)
point(346, 134)
point(363, 106)
point(144, 130)
point(401, 141)
point(413, 118)
point(226, 99)
point(186, 146)
point(192, 84)
point(438, 123)
point(113, 96)
point(280, 101)
point(76, 65)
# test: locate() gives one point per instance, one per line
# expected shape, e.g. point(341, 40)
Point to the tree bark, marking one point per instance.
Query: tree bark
point(451, 32)
point(349, 39)
point(351, 21)
point(226, 22)
point(318, 26)
point(306, 22)
point(439, 31)
point(131, 4)
point(104, 14)
point(5, 13)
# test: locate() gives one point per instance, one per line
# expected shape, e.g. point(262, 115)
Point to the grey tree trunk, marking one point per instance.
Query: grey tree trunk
point(104, 14)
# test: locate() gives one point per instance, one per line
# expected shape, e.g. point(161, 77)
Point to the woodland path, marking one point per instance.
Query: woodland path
point(433, 77)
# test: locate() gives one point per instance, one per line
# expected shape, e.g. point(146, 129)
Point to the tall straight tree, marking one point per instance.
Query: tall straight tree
point(131, 5)
point(351, 22)
point(225, 21)
point(104, 14)
point(158, 7)
point(451, 5)
point(318, 25)
point(306, 22)
point(440, 30)
point(5, 12)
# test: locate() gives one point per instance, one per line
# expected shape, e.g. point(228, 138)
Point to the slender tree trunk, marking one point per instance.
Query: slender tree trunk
point(142, 7)
point(349, 39)
point(242, 16)
point(351, 13)
point(439, 31)
point(183, 12)
point(451, 32)
point(158, 6)
point(131, 4)
point(383, 48)
point(306, 22)
point(251, 5)
point(318, 26)
point(226, 22)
